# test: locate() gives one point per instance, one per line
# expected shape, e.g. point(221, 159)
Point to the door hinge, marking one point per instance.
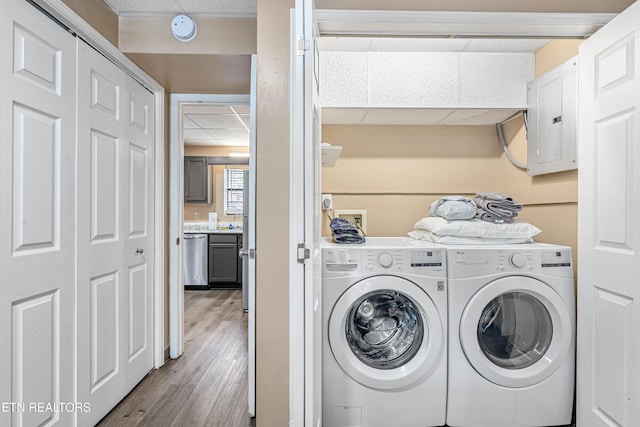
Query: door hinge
point(302, 45)
point(303, 253)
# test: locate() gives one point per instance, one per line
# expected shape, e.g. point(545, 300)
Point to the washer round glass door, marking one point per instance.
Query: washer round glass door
point(385, 332)
point(515, 331)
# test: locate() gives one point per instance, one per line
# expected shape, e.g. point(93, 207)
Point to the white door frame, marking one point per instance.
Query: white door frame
point(297, 356)
point(176, 208)
point(68, 17)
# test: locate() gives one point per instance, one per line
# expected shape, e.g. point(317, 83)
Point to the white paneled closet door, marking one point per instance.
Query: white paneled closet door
point(608, 347)
point(115, 233)
point(37, 215)
point(139, 237)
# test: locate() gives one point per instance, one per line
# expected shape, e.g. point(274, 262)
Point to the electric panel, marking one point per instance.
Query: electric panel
point(552, 120)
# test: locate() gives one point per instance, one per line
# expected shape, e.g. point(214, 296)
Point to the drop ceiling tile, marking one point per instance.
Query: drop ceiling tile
point(474, 116)
point(240, 109)
point(232, 142)
point(405, 116)
point(410, 79)
point(217, 121)
point(187, 123)
point(225, 7)
point(343, 116)
point(495, 79)
point(196, 135)
point(506, 45)
point(351, 44)
point(246, 119)
point(222, 134)
point(343, 77)
point(207, 109)
point(428, 44)
point(418, 45)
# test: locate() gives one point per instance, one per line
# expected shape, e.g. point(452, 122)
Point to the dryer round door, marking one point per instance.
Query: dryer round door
point(385, 332)
point(516, 331)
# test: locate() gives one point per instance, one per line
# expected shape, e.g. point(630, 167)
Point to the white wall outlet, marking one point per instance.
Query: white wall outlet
point(327, 202)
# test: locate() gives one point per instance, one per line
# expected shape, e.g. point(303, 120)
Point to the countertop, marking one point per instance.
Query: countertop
point(211, 231)
point(203, 227)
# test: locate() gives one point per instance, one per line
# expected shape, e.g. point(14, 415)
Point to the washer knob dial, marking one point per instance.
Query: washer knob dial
point(517, 260)
point(385, 260)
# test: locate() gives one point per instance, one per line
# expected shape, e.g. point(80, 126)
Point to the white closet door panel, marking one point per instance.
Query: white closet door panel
point(36, 59)
point(35, 337)
point(138, 312)
point(104, 304)
point(139, 226)
point(105, 93)
point(138, 191)
point(37, 214)
point(105, 188)
point(608, 346)
point(102, 278)
point(36, 187)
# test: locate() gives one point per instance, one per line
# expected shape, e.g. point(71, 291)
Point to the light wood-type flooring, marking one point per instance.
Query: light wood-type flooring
point(207, 385)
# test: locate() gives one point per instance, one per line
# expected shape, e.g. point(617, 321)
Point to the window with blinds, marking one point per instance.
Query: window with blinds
point(233, 191)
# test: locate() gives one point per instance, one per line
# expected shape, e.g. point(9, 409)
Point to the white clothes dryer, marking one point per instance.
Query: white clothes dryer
point(384, 355)
point(511, 336)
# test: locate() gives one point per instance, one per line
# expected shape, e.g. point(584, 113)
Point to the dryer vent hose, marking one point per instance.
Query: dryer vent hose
point(506, 148)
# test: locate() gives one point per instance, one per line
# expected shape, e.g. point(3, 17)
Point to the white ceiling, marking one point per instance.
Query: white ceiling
point(217, 126)
point(416, 44)
point(215, 8)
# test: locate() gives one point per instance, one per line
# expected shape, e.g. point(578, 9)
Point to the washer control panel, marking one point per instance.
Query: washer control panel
point(341, 261)
point(404, 260)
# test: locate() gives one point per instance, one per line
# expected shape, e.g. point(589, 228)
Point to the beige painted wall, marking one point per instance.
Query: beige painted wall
point(217, 60)
point(217, 182)
point(98, 15)
point(395, 172)
point(216, 36)
point(272, 216)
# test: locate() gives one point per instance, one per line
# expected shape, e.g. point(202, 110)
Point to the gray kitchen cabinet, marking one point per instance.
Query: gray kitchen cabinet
point(197, 180)
point(223, 261)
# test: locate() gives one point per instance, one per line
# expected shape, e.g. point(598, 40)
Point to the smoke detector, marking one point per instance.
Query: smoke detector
point(183, 27)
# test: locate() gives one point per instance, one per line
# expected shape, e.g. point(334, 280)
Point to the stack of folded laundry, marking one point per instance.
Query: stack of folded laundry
point(498, 208)
point(488, 218)
point(342, 231)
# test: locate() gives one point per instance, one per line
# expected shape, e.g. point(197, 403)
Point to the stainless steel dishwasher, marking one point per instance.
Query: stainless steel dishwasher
point(196, 273)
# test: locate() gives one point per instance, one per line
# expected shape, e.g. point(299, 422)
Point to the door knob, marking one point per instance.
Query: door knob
point(139, 250)
point(243, 253)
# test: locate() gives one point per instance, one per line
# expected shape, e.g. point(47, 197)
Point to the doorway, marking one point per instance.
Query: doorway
point(198, 108)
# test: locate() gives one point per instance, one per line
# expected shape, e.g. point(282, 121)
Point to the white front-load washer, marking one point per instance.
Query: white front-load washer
point(511, 336)
point(384, 356)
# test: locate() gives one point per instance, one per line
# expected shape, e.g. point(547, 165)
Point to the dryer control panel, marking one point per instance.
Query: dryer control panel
point(536, 258)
